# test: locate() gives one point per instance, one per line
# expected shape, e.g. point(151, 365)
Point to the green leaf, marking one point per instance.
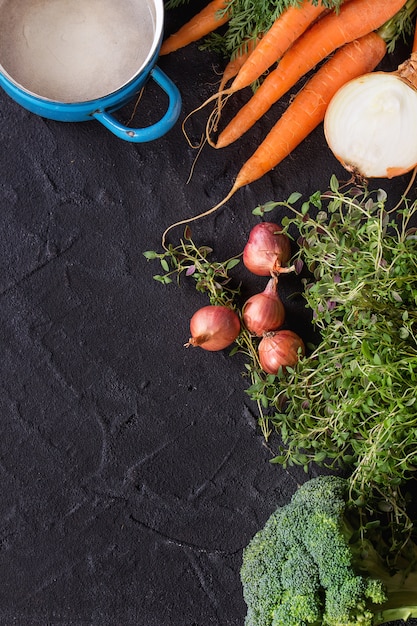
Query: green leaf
point(305, 208)
point(372, 524)
point(404, 332)
point(315, 199)
point(319, 457)
point(232, 263)
point(334, 183)
point(294, 197)
point(278, 459)
point(165, 280)
point(381, 195)
point(377, 359)
point(150, 254)
point(258, 211)
point(165, 265)
point(365, 350)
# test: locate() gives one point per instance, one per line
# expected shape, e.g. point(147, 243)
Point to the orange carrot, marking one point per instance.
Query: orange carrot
point(355, 19)
point(231, 70)
point(238, 60)
point(221, 96)
point(307, 109)
point(305, 112)
point(213, 16)
point(290, 25)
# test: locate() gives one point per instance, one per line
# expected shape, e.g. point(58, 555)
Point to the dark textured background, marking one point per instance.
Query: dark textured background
point(132, 472)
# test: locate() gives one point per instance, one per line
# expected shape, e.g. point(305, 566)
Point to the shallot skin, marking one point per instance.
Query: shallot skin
point(280, 350)
point(264, 311)
point(267, 249)
point(213, 328)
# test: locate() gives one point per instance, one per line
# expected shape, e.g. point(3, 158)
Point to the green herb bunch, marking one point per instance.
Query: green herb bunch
point(352, 402)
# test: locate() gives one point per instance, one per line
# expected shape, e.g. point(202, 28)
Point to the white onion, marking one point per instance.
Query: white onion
point(371, 125)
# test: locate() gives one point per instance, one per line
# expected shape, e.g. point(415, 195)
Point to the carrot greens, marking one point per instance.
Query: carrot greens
point(400, 27)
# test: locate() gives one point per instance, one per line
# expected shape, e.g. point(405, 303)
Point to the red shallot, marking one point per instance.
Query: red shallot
point(280, 349)
point(264, 311)
point(267, 250)
point(214, 327)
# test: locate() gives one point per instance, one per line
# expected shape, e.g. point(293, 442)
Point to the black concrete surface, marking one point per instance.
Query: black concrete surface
point(132, 471)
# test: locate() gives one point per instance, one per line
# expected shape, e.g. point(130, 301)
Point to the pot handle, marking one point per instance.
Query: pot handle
point(148, 133)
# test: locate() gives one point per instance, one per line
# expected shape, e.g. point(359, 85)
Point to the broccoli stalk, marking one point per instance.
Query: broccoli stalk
point(399, 583)
point(307, 566)
point(401, 592)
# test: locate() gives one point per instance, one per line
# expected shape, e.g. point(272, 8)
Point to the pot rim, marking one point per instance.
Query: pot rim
point(146, 65)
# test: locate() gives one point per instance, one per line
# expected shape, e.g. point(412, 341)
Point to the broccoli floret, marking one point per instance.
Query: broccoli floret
point(305, 567)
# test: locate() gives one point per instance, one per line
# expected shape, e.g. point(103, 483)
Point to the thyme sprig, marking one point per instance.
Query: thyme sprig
point(214, 279)
point(352, 402)
point(187, 259)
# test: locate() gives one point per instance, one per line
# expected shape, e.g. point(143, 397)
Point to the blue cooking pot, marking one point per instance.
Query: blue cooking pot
point(72, 60)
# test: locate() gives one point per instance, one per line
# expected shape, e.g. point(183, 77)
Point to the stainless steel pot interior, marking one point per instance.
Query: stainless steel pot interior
point(77, 50)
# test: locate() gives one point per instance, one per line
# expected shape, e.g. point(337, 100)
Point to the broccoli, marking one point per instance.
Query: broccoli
point(308, 566)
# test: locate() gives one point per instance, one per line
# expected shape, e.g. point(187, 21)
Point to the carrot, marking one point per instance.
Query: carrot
point(355, 19)
point(308, 108)
point(288, 26)
point(305, 112)
point(238, 60)
point(213, 15)
point(231, 70)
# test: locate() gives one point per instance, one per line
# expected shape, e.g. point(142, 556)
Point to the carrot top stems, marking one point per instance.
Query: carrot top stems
point(248, 17)
point(400, 26)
